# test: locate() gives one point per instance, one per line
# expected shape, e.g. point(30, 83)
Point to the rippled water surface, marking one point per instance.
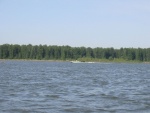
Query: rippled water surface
point(64, 87)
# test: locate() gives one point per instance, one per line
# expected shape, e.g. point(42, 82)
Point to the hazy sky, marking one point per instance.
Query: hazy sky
point(89, 23)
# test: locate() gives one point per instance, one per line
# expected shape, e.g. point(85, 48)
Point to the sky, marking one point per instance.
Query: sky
point(88, 23)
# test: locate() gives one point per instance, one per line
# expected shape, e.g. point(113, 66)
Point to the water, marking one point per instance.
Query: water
point(64, 87)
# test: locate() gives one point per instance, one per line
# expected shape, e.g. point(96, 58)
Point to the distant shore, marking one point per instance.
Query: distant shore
point(32, 60)
point(53, 60)
point(68, 53)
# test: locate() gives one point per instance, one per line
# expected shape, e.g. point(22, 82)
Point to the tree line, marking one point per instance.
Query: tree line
point(52, 52)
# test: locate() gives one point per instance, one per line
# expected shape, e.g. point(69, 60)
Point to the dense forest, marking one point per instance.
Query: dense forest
point(44, 52)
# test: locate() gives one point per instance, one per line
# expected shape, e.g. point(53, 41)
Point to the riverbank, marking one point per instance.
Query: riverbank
point(65, 53)
point(33, 60)
point(80, 60)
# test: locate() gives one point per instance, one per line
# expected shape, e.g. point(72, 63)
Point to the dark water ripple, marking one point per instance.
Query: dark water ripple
point(63, 87)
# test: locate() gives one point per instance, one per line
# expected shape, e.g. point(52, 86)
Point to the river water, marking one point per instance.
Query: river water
point(64, 87)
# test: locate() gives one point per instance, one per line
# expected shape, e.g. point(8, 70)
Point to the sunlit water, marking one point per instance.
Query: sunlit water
point(64, 87)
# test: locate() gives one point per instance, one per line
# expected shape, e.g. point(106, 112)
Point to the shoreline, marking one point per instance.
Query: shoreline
point(33, 60)
point(100, 61)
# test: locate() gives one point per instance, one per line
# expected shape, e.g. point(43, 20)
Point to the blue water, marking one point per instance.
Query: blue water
point(64, 87)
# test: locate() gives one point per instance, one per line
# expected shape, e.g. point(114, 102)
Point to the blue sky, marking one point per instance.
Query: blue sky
point(89, 23)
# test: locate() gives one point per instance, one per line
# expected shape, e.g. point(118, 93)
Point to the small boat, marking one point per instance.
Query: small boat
point(80, 62)
point(75, 61)
point(90, 62)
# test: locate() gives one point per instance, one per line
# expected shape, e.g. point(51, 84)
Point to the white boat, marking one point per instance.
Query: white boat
point(80, 62)
point(75, 61)
point(89, 62)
